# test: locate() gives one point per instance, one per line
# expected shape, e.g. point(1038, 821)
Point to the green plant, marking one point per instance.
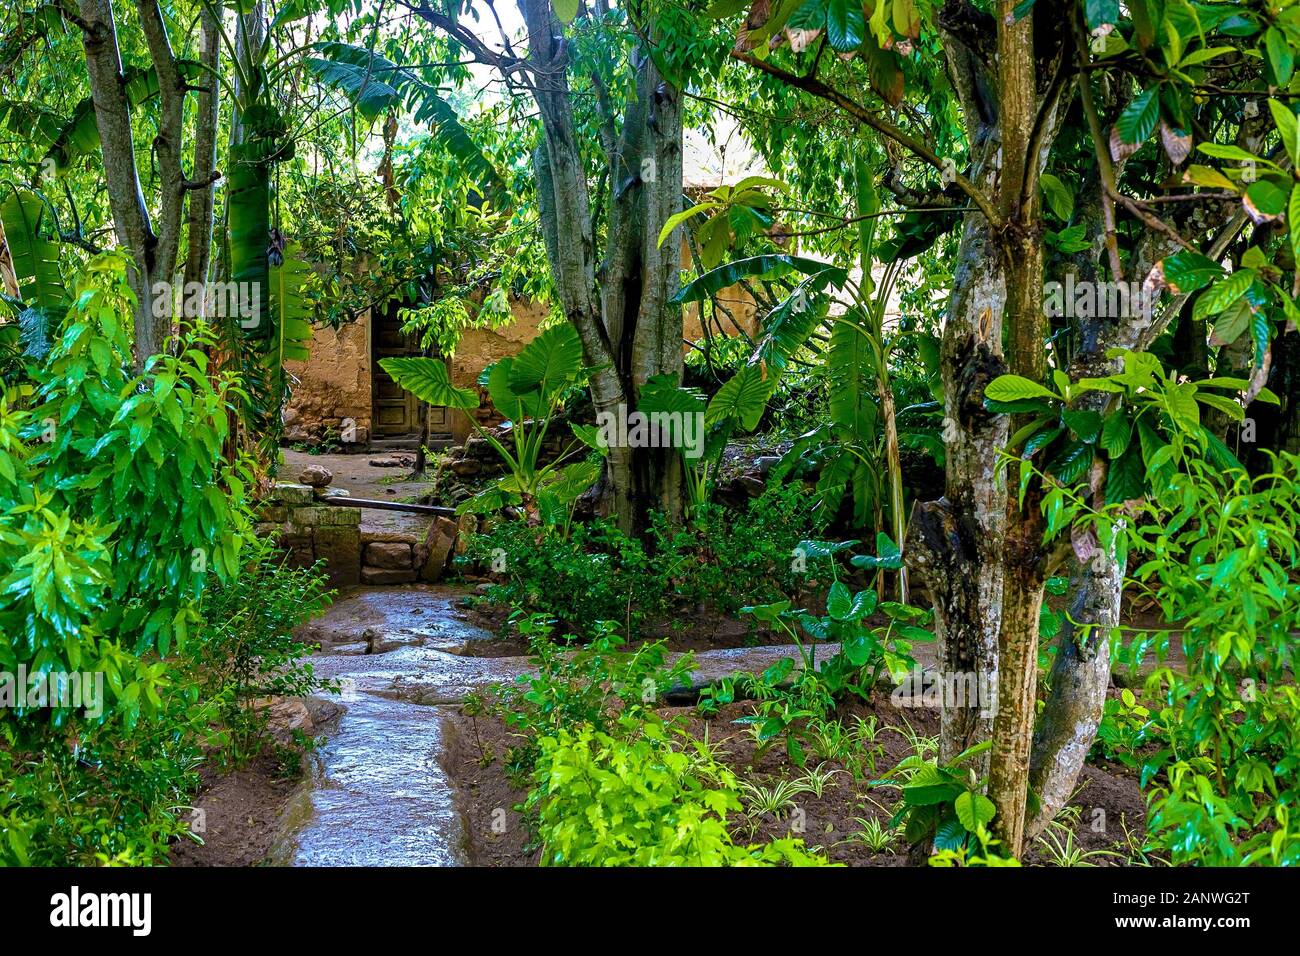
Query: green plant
point(876, 836)
point(247, 649)
point(819, 777)
point(591, 685)
point(866, 651)
point(942, 803)
point(529, 389)
point(1126, 728)
point(117, 513)
point(1058, 845)
point(1222, 782)
point(771, 801)
point(635, 800)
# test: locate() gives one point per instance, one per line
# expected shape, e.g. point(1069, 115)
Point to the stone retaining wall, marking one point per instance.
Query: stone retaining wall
point(309, 529)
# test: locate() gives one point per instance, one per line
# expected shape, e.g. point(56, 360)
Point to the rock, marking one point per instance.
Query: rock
point(766, 463)
point(468, 527)
point(339, 546)
point(291, 494)
point(388, 554)
point(393, 461)
point(284, 715)
point(466, 467)
point(387, 576)
point(322, 711)
point(433, 555)
point(318, 476)
point(750, 485)
point(332, 493)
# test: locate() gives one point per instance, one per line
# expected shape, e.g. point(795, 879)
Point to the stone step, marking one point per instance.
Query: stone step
point(437, 442)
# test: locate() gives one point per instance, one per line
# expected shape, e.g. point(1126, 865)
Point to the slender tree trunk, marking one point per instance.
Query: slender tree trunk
point(126, 200)
point(1079, 680)
point(202, 199)
point(168, 143)
point(894, 469)
point(1024, 556)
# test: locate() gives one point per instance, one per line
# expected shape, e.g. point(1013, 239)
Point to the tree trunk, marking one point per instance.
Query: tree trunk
point(620, 304)
point(954, 544)
point(126, 200)
point(201, 206)
point(168, 143)
point(1079, 680)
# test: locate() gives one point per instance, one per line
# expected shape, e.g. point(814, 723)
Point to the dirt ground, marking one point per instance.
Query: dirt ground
point(363, 480)
point(475, 763)
point(241, 814)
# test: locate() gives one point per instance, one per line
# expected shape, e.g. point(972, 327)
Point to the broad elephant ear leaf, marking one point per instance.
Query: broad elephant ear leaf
point(427, 380)
point(516, 406)
point(742, 398)
point(661, 393)
point(548, 363)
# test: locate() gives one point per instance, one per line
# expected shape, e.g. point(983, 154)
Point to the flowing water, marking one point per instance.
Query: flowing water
point(377, 795)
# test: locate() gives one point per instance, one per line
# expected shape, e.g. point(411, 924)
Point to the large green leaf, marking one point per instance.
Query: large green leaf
point(292, 317)
point(35, 258)
point(248, 221)
point(756, 267)
point(851, 368)
point(742, 398)
point(374, 84)
point(792, 321)
point(548, 363)
point(427, 380)
point(1138, 121)
point(845, 24)
point(515, 405)
point(1014, 388)
point(661, 393)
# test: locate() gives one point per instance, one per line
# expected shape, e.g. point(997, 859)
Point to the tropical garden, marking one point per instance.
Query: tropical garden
point(971, 540)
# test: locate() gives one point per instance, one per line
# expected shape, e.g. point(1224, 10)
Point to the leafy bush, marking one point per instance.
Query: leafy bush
point(719, 558)
point(248, 649)
point(636, 800)
point(118, 514)
point(588, 685)
point(1223, 548)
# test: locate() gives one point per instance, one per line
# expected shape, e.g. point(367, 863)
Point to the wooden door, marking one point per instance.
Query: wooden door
point(395, 411)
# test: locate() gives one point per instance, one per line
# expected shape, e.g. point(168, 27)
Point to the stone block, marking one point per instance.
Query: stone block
point(387, 576)
point(291, 493)
point(310, 515)
point(271, 513)
point(395, 555)
point(434, 554)
point(334, 516)
point(340, 548)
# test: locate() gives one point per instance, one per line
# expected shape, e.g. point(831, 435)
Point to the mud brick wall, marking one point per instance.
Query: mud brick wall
point(309, 531)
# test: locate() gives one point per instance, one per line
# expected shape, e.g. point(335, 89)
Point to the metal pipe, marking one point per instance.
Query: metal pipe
point(344, 501)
